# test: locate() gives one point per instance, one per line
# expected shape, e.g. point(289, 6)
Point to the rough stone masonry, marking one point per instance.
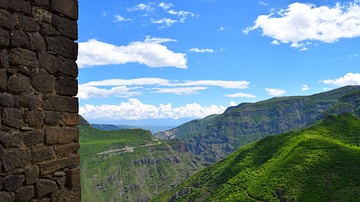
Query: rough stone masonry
point(39, 138)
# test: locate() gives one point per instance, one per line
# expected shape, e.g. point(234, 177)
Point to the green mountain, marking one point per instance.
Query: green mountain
point(130, 165)
point(319, 163)
point(214, 137)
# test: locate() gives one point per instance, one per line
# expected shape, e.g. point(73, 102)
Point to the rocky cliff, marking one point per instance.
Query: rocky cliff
point(215, 137)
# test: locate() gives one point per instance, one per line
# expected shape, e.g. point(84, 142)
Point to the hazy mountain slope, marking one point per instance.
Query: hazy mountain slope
point(130, 165)
point(212, 139)
point(320, 163)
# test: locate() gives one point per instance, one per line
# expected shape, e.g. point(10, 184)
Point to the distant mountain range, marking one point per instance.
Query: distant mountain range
point(152, 128)
point(320, 163)
point(217, 136)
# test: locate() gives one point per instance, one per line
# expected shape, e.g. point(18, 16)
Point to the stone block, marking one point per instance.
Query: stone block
point(10, 140)
point(28, 101)
point(45, 186)
point(49, 62)
point(72, 195)
point(4, 59)
point(19, 56)
point(6, 100)
point(67, 28)
point(18, 83)
point(37, 42)
point(41, 15)
point(45, 3)
point(12, 182)
point(34, 118)
point(48, 30)
point(27, 24)
point(19, 39)
point(62, 46)
point(69, 8)
point(4, 37)
point(64, 135)
point(33, 138)
point(31, 174)
point(42, 154)
point(66, 149)
point(24, 194)
point(70, 119)
point(20, 6)
point(73, 178)
point(52, 118)
point(58, 164)
point(67, 67)
point(61, 104)
point(6, 196)
point(12, 117)
point(67, 86)
point(7, 20)
point(14, 158)
point(43, 82)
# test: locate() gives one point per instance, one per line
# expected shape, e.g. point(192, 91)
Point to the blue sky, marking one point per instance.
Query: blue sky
point(180, 60)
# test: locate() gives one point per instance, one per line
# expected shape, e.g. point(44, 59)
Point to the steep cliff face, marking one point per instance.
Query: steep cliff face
point(214, 138)
point(129, 165)
point(319, 163)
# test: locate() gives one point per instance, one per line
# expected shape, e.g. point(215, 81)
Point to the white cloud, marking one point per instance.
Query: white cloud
point(181, 91)
point(275, 91)
point(304, 87)
point(86, 92)
point(132, 87)
point(165, 6)
point(141, 7)
point(241, 95)
point(169, 83)
point(133, 109)
point(150, 52)
point(347, 79)
point(232, 104)
point(119, 18)
point(165, 22)
point(197, 50)
point(302, 22)
point(263, 3)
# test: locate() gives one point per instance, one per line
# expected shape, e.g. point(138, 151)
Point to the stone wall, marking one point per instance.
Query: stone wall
point(39, 138)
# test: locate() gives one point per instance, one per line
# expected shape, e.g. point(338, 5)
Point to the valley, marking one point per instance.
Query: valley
point(281, 149)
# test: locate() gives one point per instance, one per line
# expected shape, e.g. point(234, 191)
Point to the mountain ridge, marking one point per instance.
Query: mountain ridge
point(215, 137)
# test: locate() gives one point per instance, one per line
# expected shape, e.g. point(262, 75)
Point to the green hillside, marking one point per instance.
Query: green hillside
point(319, 163)
point(217, 136)
point(130, 165)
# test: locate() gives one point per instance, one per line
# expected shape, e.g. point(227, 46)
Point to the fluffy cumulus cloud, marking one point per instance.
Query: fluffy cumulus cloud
point(302, 23)
point(275, 91)
point(134, 109)
point(135, 87)
point(347, 79)
point(203, 50)
point(151, 52)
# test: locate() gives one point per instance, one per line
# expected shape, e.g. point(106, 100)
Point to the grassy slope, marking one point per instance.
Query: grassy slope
point(321, 163)
point(117, 177)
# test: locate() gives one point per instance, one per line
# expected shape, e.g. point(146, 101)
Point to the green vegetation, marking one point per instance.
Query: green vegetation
point(94, 141)
point(217, 136)
point(320, 163)
point(135, 167)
